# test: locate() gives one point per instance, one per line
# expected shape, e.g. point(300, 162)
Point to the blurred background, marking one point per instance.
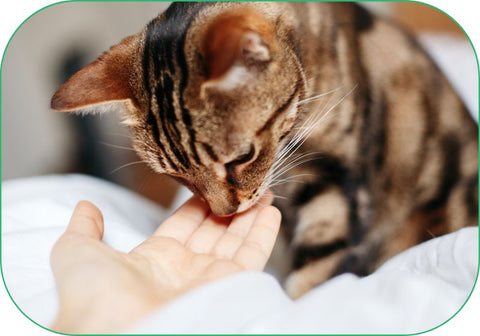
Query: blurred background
point(59, 40)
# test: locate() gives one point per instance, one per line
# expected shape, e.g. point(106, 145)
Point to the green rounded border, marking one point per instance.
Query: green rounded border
point(69, 1)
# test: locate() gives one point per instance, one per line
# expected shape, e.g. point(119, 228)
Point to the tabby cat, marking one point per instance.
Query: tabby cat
point(367, 146)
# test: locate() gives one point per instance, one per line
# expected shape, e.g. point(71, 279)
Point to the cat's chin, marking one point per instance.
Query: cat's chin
point(247, 205)
point(233, 213)
point(242, 208)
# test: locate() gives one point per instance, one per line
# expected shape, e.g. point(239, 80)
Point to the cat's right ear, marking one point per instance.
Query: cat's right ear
point(99, 84)
point(234, 45)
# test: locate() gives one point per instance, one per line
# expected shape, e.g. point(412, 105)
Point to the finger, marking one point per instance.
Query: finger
point(207, 234)
point(242, 222)
point(255, 250)
point(229, 243)
point(215, 229)
point(86, 220)
point(235, 234)
point(184, 221)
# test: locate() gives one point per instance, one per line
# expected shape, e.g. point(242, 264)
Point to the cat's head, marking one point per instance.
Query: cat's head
point(209, 99)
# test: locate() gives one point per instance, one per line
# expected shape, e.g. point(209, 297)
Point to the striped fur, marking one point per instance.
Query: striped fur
point(342, 113)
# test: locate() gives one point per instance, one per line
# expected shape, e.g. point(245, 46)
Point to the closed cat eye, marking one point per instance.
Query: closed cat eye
point(244, 158)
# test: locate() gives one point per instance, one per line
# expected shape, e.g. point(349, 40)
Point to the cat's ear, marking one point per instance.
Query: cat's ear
point(236, 43)
point(99, 84)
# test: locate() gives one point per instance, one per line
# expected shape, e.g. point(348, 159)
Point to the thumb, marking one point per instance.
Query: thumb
point(86, 220)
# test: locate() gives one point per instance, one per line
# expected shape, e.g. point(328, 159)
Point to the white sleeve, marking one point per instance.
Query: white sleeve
point(229, 305)
point(415, 291)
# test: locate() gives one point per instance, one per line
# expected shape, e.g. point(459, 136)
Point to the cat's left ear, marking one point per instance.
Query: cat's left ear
point(236, 44)
point(99, 84)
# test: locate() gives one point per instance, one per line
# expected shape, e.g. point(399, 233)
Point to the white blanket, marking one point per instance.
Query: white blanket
point(415, 291)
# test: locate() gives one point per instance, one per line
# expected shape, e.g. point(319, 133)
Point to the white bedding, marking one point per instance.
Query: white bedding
point(415, 291)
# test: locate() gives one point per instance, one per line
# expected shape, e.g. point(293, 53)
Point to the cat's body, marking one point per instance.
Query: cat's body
point(387, 154)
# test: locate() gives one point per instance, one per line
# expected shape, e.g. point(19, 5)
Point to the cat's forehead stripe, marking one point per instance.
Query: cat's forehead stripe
point(182, 63)
point(209, 150)
point(159, 51)
point(164, 63)
point(152, 119)
point(168, 119)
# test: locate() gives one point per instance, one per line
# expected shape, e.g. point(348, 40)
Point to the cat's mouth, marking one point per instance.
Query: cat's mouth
point(223, 202)
point(242, 206)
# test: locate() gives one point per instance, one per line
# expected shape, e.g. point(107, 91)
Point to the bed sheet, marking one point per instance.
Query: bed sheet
point(416, 290)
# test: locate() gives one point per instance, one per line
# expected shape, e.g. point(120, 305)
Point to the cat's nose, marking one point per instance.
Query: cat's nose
point(224, 210)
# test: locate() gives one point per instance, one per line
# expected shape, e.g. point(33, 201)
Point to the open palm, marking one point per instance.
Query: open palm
point(190, 248)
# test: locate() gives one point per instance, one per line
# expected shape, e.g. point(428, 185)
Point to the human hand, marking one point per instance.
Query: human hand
point(102, 290)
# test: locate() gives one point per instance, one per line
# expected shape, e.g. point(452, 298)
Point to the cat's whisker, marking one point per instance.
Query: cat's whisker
point(264, 187)
point(116, 146)
point(281, 197)
point(287, 166)
point(146, 178)
point(296, 176)
point(324, 118)
point(274, 196)
point(125, 165)
point(281, 167)
point(313, 98)
point(282, 159)
point(295, 157)
point(295, 139)
point(430, 233)
point(285, 155)
point(120, 135)
point(284, 171)
point(292, 160)
point(311, 121)
point(306, 133)
point(301, 160)
point(290, 179)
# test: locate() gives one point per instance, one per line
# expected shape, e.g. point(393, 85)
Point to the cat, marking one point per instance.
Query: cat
point(366, 145)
